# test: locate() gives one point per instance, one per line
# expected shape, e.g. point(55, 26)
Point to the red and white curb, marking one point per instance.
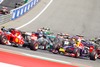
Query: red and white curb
point(34, 56)
point(19, 60)
point(41, 57)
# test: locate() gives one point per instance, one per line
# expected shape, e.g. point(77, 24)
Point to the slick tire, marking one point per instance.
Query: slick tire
point(34, 46)
point(93, 55)
point(3, 39)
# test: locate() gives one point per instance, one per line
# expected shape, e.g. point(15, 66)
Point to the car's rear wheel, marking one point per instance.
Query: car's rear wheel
point(3, 39)
point(34, 46)
point(93, 55)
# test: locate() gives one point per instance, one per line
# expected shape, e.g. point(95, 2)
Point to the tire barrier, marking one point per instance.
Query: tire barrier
point(16, 13)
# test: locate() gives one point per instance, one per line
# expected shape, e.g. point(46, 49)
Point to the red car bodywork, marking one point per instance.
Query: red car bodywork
point(13, 37)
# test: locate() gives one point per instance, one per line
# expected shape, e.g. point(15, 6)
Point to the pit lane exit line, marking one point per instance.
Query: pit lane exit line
point(36, 16)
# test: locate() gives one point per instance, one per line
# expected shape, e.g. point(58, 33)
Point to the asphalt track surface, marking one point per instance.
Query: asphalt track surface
point(69, 16)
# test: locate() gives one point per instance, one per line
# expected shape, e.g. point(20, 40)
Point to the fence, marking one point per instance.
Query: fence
point(23, 9)
point(16, 13)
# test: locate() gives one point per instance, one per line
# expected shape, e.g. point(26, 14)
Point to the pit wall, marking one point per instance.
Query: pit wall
point(16, 13)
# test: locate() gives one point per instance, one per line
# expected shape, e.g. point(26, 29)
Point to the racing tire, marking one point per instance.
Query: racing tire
point(3, 39)
point(93, 55)
point(33, 46)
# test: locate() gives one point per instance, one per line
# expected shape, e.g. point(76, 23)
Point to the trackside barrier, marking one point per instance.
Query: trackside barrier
point(23, 9)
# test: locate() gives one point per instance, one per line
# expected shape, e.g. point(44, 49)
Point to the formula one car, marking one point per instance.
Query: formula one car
point(30, 40)
point(59, 42)
point(44, 42)
point(7, 37)
point(17, 38)
point(56, 45)
point(44, 36)
point(81, 51)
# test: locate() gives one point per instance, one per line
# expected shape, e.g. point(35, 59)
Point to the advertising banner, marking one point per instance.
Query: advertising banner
point(23, 9)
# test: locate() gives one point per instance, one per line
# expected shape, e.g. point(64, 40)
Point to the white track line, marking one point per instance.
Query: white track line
point(2, 64)
point(36, 16)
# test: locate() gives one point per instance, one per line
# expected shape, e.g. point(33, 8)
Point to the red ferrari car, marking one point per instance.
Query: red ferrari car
point(15, 38)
